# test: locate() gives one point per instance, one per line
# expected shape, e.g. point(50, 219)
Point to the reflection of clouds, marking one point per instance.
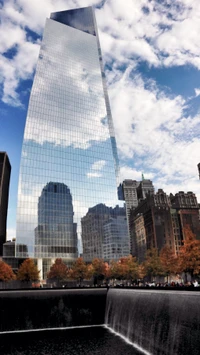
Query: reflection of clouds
point(69, 82)
point(95, 169)
point(56, 133)
point(28, 201)
point(67, 135)
point(98, 165)
point(27, 213)
point(93, 175)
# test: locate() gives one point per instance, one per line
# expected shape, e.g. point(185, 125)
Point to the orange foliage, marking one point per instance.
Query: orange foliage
point(152, 264)
point(28, 271)
point(79, 270)
point(58, 271)
point(6, 273)
point(189, 256)
point(99, 269)
point(169, 261)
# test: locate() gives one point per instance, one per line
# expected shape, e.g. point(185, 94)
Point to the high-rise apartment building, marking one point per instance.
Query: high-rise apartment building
point(5, 170)
point(69, 136)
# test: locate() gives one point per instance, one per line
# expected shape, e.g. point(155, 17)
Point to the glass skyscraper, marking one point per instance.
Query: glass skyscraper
point(69, 142)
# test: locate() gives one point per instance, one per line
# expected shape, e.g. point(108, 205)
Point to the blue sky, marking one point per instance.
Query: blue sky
point(151, 54)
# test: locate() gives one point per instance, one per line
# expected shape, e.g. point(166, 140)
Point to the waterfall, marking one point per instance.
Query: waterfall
point(160, 322)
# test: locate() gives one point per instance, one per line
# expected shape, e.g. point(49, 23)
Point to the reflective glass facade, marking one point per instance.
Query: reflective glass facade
point(68, 142)
point(56, 231)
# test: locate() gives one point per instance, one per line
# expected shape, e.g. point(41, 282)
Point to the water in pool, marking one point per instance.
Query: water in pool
point(76, 341)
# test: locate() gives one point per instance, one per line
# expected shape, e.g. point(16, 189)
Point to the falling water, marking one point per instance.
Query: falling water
point(160, 322)
point(153, 322)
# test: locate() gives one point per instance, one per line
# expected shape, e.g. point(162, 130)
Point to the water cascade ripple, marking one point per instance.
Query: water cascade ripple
point(154, 322)
point(160, 322)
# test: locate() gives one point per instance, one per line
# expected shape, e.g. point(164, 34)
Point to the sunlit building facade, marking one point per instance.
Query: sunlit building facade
point(69, 136)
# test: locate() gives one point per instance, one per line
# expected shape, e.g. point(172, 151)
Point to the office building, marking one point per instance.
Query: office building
point(5, 170)
point(9, 255)
point(144, 188)
point(132, 192)
point(187, 210)
point(116, 239)
point(93, 229)
point(151, 225)
point(55, 235)
point(161, 220)
point(69, 136)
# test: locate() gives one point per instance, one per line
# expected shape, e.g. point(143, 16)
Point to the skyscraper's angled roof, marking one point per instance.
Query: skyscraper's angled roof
point(81, 19)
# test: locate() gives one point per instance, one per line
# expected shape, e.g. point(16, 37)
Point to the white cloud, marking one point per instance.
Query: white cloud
point(20, 67)
point(126, 172)
point(151, 31)
point(153, 132)
point(197, 92)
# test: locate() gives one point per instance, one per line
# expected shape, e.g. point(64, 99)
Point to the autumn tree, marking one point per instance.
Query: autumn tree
point(89, 272)
point(115, 269)
point(128, 268)
point(58, 272)
point(107, 271)
point(189, 256)
point(6, 273)
point(99, 270)
point(28, 271)
point(141, 271)
point(80, 271)
point(168, 260)
point(152, 264)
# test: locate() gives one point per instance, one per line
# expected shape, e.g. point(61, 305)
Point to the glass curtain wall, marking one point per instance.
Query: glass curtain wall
point(69, 144)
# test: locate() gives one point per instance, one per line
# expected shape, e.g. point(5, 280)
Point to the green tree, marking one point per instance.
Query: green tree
point(152, 264)
point(6, 273)
point(58, 272)
point(28, 271)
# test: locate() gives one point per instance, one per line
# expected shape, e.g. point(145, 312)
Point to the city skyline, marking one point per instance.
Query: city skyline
point(151, 57)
